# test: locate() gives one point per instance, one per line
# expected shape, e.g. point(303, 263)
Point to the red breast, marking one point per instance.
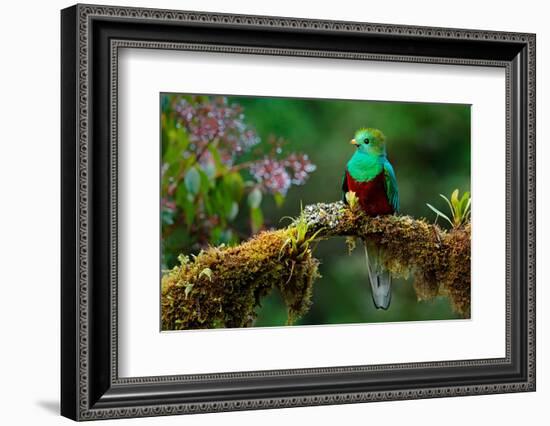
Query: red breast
point(371, 194)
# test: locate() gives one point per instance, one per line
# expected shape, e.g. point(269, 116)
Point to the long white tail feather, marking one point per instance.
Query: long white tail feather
point(379, 277)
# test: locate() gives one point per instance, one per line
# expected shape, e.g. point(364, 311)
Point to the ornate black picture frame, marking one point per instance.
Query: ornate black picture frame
point(91, 36)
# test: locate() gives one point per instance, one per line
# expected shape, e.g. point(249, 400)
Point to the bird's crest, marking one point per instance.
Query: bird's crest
point(374, 132)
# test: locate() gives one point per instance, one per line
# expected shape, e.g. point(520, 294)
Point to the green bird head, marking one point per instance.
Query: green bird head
point(370, 141)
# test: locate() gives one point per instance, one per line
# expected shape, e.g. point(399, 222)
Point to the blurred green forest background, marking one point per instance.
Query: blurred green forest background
point(235, 165)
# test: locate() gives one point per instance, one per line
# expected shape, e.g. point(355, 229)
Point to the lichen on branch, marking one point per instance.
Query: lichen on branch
point(223, 286)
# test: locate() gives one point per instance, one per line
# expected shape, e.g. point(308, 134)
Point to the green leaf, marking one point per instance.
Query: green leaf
point(233, 212)
point(167, 216)
point(234, 185)
point(176, 142)
point(188, 288)
point(204, 181)
point(210, 170)
point(301, 230)
point(207, 272)
point(193, 181)
point(228, 237)
point(457, 216)
point(454, 199)
point(221, 203)
point(189, 212)
point(256, 219)
point(468, 207)
point(449, 204)
point(255, 198)
point(218, 163)
point(209, 205)
point(181, 196)
point(464, 202)
point(279, 199)
point(183, 259)
point(437, 212)
point(216, 234)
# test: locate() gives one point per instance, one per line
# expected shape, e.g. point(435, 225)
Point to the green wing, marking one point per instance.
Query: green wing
point(392, 191)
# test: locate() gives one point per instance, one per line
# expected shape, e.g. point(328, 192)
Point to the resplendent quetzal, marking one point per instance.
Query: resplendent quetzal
point(370, 175)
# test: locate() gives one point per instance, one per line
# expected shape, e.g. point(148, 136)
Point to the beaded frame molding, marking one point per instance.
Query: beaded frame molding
point(91, 37)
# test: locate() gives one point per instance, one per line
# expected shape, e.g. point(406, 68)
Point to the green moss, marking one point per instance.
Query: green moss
point(240, 277)
point(456, 278)
point(222, 287)
point(438, 260)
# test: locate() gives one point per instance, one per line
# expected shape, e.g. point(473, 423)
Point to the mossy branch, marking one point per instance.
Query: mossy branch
point(223, 286)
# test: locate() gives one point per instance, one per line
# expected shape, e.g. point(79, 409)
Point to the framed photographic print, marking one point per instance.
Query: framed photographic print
point(263, 212)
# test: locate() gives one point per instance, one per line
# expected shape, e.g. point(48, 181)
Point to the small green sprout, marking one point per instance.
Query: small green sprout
point(188, 288)
point(207, 272)
point(298, 239)
point(460, 209)
point(352, 200)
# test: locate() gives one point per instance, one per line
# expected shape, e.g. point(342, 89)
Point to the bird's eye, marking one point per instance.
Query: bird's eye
point(366, 140)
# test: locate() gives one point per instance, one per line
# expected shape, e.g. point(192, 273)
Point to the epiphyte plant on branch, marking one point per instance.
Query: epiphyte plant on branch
point(370, 184)
point(216, 172)
point(460, 209)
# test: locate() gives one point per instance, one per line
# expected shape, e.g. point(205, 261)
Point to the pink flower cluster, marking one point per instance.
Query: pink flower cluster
point(277, 175)
point(300, 166)
point(215, 121)
point(207, 121)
